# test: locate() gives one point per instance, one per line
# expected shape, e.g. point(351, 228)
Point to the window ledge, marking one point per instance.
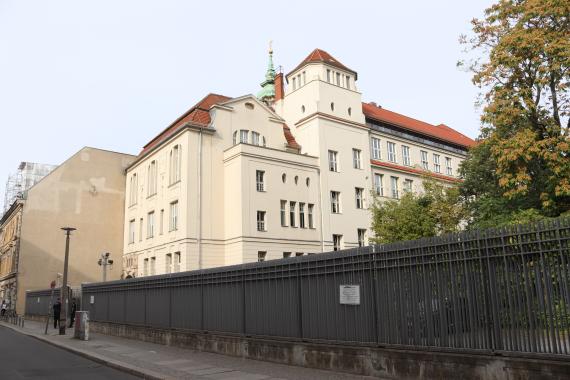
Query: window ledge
point(174, 183)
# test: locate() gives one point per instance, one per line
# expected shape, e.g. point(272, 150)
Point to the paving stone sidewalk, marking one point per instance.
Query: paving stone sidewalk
point(155, 361)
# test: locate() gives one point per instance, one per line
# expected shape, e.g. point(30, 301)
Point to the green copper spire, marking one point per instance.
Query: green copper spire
point(267, 93)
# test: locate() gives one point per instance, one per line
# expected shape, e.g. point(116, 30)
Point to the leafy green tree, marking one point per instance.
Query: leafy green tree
point(435, 210)
point(520, 170)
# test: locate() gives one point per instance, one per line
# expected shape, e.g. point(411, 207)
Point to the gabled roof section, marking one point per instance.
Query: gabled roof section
point(291, 142)
point(441, 132)
point(199, 115)
point(322, 56)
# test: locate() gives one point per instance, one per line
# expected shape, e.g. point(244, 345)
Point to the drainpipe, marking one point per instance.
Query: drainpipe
point(200, 201)
point(321, 211)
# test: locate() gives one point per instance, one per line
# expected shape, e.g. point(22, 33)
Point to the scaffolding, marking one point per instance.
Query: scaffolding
point(27, 175)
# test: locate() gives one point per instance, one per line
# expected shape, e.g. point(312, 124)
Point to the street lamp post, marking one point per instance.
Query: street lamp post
point(64, 294)
point(104, 261)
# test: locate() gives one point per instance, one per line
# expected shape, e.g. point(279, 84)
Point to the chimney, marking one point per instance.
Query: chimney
point(279, 94)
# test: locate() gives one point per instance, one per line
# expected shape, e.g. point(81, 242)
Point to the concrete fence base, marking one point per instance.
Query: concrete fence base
point(371, 361)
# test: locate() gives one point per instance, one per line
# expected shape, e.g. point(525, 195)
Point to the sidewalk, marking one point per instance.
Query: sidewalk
point(154, 361)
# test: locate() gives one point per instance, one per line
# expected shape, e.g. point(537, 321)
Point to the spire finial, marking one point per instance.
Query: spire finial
point(270, 46)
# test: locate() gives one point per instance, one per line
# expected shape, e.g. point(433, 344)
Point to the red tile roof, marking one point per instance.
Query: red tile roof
point(414, 170)
point(199, 114)
point(440, 132)
point(319, 55)
point(291, 142)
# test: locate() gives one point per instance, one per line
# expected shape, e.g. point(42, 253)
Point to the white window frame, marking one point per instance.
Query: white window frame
point(261, 256)
point(333, 161)
point(283, 213)
point(177, 261)
point(436, 163)
point(359, 197)
point(261, 226)
point(302, 215)
point(132, 228)
point(378, 184)
point(391, 151)
point(337, 242)
point(152, 180)
point(153, 265)
point(310, 215)
point(448, 166)
point(408, 183)
point(424, 159)
point(145, 267)
point(255, 138)
point(406, 155)
point(292, 213)
point(361, 235)
point(376, 148)
point(356, 158)
point(133, 195)
point(150, 225)
point(168, 263)
point(173, 220)
point(394, 187)
point(260, 180)
point(335, 202)
point(175, 163)
point(243, 136)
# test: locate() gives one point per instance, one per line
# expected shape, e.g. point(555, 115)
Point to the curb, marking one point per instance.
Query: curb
point(121, 366)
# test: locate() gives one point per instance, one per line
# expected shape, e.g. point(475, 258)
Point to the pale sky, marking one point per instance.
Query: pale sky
point(113, 74)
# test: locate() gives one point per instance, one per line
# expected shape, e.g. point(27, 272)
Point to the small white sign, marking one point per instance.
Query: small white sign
point(92, 300)
point(350, 294)
point(38, 299)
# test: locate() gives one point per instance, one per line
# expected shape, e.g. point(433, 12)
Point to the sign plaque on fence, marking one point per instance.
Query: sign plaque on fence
point(350, 294)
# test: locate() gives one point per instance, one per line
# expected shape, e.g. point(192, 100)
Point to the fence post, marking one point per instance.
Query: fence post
point(373, 284)
point(300, 298)
point(243, 326)
point(490, 290)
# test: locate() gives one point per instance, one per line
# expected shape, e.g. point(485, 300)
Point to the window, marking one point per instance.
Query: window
point(332, 106)
point(255, 138)
point(145, 267)
point(337, 242)
point(394, 181)
point(328, 75)
point(259, 180)
point(378, 187)
point(150, 225)
point(349, 111)
point(292, 213)
point(348, 82)
point(161, 221)
point(296, 179)
point(131, 231)
point(376, 151)
point(310, 215)
point(261, 220)
point(283, 213)
point(406, 155)
point(176, 261)
point(333, 161)
point(359, 194)
point(391, 152)
point(361, 237)
point(133, 190)
point(294, 83)
point(304, 77)
point(173, 226)
point(175, 164)
point(448, 167)
point(335, 202)
point(261, 255)
point(152, 266)
point(141, 229)
point(151, 189)
point(243, 136)
point(263, 141)
point(408, 185)
point(356, 163)
point(302, 215)
point(168, 267)
point(308, 181)
point(425, 163)
point(338, 79)
point(436, 165)
point(235, 137)
point(284, 177)
point(286, 255)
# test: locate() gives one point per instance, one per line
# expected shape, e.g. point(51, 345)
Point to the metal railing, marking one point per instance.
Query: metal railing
point(500, 290)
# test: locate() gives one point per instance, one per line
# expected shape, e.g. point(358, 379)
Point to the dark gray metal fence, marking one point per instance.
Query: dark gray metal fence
point(500, 290)
point(38, 301)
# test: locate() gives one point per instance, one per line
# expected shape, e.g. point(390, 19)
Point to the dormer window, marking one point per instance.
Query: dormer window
point(338, 79)
point(294, 84)
point(348, 82)
point(328, 75)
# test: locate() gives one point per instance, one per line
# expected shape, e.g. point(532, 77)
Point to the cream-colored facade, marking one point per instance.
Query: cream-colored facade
point(240, 180)
point(10, 227)
point(86, 192)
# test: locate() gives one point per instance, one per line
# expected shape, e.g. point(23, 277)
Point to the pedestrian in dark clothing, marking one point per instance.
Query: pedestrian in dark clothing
point(56, 313)
point(73, 310)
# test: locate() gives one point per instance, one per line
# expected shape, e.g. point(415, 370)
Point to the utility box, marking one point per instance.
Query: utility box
point(81, 325)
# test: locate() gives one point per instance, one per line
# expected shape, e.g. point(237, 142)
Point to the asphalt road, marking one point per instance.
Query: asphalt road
point(23, 357)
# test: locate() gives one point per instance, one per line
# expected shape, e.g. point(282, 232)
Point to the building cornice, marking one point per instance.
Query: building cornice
point(415, 171)
point(240, 152)
point(331, 118)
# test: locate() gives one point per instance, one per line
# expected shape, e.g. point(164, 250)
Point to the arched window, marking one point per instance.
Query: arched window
point(235, 137)
point(175, 159)
point(332, 106)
